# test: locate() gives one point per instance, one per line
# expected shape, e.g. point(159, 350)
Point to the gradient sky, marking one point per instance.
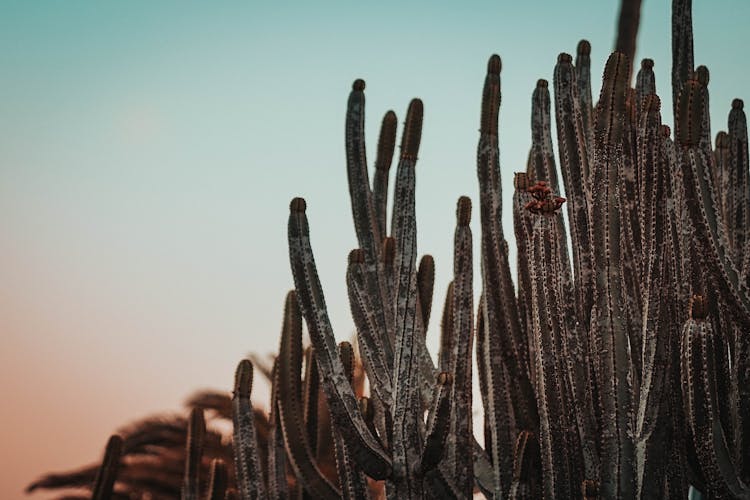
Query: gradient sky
point(149, 150)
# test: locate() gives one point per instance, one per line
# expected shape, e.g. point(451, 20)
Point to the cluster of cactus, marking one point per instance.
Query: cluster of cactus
point(622, 371)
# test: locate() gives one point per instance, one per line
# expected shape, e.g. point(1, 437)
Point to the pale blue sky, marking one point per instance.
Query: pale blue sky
point(149, 150)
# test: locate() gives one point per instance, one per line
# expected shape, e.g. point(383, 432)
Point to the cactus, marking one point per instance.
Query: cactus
point(621, 370)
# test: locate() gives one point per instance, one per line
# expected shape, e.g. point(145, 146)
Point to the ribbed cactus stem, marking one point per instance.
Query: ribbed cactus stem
point(194, 455)
point(342, 402)
point(246, 454)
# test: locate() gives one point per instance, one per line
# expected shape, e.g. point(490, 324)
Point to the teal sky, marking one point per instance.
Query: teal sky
point(149, 150)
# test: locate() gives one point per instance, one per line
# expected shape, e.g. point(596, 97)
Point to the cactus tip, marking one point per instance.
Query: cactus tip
point(357, 256)
point(722, 140)
point(738, 104)
point(542, 83)
point(412, 134)
point(564, 57)
point(647, 63)
point(298, 205)
point(702, 75)
point(243, 378)
point(584, 48)
point(358, 85)
point(494, 65)
point(463, 211)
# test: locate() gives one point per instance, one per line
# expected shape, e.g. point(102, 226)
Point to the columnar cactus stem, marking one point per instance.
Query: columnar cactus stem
point(342, 402)
point(276, 467)
point(585, 101)
point(525, 468)
point(463, 331)
point(698, 384)
point(386, 147)
point(406, 411)
point(193, 455)
point(645, 82)
point(247, 462)
point(425, 286)
point(353, 482)
point(608, 319)
point(504, 355)
point(552, 388)
point(738, 193)
point(217, 480)
point(367, 217)
point(370, 325)
point(682, 47)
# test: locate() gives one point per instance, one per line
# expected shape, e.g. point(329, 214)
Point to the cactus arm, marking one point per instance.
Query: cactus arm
point(363, 212)
point(193, 455)
point(278, 488)
point(739, 187)
point(526, 458)
point(721, 171)
point(245, 444)
point(522, 230)
point(383, 160)
point(425, 287)
point(553, 392)
point(701, 206)
point(649, 143)
point(504, 352)
point(651, 436)
point(544, 169)
point(682, 48)
point(342, 402)
point(310, 389)
point(446, 353)
point(585, 101)
point(542, 159)
point(499, 297)
point(607, 322)
point(217, 480)
point(701, 74)
point(645, 82)
point(369, 323)
point(406, 409)
point(463, 333)
point(106, 475)
point(698, 373)
point(353, 482)
point(572, 143)
point(291, 410)
point(438, 425)
point(403, 229)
